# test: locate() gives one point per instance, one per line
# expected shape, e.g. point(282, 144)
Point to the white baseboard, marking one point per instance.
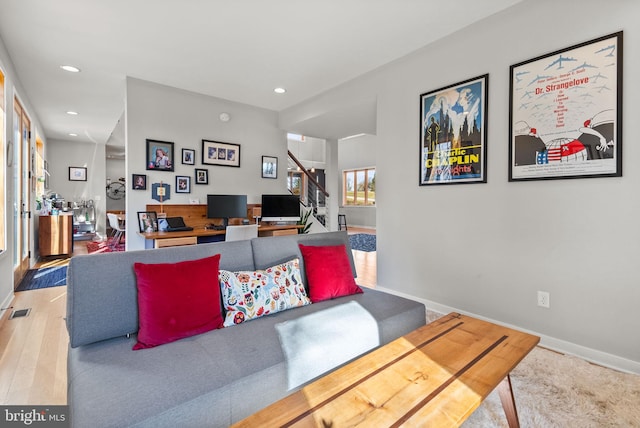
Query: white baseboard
point(592, 355)
point(357, 226)
point(6, 303)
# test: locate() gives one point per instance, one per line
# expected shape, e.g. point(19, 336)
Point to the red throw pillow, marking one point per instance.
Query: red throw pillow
point(328, 271)
point(177, 300)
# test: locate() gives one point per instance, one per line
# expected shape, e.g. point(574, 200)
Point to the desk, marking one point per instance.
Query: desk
point(199, 235)
point(434, 376)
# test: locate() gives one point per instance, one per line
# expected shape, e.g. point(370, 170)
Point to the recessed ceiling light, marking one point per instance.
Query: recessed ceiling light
point(279, 90)
point(72, 113)
point(73, 135)
point(70, 68)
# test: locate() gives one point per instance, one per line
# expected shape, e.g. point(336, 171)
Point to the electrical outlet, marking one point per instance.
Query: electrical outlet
point(543, 299)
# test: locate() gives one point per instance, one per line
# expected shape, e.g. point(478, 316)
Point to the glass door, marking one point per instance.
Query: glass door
point(22, 194)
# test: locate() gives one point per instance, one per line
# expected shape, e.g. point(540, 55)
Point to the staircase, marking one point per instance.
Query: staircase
point(313, 196)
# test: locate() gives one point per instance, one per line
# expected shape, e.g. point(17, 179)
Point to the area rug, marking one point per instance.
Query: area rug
point(43, 278)
point(104, 246)
point(557, 390)
point(363, 242)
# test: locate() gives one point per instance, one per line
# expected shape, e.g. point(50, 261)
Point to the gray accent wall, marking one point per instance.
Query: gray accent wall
point(486, 249)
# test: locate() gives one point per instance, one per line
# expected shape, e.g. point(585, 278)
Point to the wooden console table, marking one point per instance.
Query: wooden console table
point(55, 235)
point(434, 376)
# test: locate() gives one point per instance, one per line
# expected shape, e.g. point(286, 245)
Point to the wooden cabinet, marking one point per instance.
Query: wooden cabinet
point(175, 242)
point(55, 235)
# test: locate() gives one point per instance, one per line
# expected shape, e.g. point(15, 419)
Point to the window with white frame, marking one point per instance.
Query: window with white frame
point(359, 187)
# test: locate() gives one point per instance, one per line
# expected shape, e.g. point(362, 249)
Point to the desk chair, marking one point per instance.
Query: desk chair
point(118, 232)
point(239, 233)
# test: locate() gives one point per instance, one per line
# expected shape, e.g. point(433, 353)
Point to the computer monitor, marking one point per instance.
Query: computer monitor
point(280, 208)
point(226, 207)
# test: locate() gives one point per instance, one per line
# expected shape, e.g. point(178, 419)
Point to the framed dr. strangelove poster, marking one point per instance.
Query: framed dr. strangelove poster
point(566, 113)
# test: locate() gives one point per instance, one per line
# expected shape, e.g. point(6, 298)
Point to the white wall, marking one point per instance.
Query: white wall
point(357, 153)
point(185, 118)
point(63, 154)
point(13, 88)
point(115, 169)
point(486, 249)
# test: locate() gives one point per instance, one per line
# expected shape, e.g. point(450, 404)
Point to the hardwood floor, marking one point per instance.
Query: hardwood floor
point(33, 365)
point(366, 262)
point(33, 349)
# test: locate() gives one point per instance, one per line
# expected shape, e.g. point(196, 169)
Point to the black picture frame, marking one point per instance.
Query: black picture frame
point(138, 182)
point(219, 153)
point(183, 184)
point(453, 133)
point(565, 113)
point(159, 155)
point(147, 221)
point(201, 176)
point(188, 157)
point(269, 167)
point(77, 173)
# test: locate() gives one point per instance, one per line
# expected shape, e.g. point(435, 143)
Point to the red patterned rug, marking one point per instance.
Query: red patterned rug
point(104, 246)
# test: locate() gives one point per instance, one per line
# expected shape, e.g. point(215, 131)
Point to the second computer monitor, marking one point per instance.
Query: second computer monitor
point(281, 208)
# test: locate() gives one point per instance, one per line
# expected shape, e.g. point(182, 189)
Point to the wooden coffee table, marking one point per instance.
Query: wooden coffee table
point(434, 376)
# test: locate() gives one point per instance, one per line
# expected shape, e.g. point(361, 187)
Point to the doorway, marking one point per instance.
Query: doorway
point(22, 192)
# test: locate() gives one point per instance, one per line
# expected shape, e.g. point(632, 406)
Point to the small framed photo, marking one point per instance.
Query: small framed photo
point(159, 155)
point(183, 184)
point(217, 153)
point(147, 221)
point(202, 176)
point(269, 167)
point(188, 157)
point(139, 181)
point(77, 173)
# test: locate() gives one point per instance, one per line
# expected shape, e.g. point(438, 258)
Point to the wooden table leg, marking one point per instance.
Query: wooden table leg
point(508, 402)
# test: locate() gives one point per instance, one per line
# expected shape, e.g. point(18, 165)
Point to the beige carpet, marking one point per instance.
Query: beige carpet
point(555, 390)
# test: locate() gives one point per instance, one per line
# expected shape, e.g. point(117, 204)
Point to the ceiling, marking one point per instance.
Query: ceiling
point(236, 50)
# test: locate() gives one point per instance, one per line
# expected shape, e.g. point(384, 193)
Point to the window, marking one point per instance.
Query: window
point(359, 187)
point(3, 162)
point(295, 183)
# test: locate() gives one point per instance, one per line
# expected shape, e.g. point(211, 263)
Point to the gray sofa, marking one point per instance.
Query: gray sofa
point(213, 379)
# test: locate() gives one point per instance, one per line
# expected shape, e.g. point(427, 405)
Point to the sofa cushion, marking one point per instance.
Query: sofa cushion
point(101, 288)
point(212, 379)
point(316, 343)
point(177, 300)
point(251, 294)
point(329, 274)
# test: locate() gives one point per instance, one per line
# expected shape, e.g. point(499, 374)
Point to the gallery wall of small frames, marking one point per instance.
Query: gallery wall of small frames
point(160, 156)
